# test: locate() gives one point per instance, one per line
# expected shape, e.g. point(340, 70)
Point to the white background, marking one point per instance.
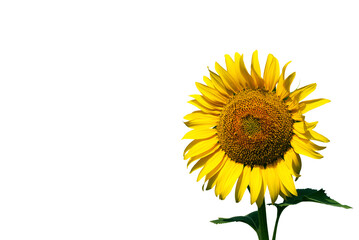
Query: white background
point(92, 99)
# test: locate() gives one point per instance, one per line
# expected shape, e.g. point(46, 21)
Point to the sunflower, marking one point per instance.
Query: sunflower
point(250, 129)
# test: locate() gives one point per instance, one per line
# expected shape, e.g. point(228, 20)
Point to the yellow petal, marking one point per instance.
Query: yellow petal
point(212, 181)
point(226, 78)
point(273, 183)
point(285, 178)
point(211, 93)
point(286, 86)
point(201, 146)
point(315, 146)
point(282, 90)
point(284, 193)
point(205, 108)
point(191, 144)
point(203, 154)
point(217, 168)
point(306, 106)
point(271, 73)
point(255, 67)
point(302, 92)
point(208, 103)
point(293, 162)
point(300, 127)
point(245, 73)
point(305, 135)
point(211, 163)
point(208, 82)
point(231, 69)
point(200, 115)
point(256, 71)
point(255, 184)
point(311, 125)
point(297, 116)
point(281, 193)
point(304, 147)
point(288, 82)
point(228, 176)
point(198, 164)
point(242, 82)
point(200, 134)
point(242, 183)
point(263, 187)
point(201, 123)
point(293, 103)
point(219, 85)
point(267, 66)
point(318, 137)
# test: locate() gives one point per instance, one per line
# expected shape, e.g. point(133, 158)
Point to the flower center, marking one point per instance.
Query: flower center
point(251, 125)
point(255, 128)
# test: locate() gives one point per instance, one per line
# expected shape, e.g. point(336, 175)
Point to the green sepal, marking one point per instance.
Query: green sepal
point(310, 195)
point(251, 219)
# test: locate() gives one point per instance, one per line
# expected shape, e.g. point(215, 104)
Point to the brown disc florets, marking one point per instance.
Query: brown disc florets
point(255, 128)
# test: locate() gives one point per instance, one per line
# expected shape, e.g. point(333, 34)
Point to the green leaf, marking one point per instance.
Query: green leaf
point(251, 219)
point(310, 195)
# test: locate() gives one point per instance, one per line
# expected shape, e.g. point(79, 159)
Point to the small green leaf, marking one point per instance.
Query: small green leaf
point(251, 219)
point(310, 195)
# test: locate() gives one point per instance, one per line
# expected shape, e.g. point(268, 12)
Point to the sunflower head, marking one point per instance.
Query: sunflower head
point(250, 129)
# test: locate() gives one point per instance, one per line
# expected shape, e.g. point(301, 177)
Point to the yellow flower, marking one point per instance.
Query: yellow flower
point(250, 130)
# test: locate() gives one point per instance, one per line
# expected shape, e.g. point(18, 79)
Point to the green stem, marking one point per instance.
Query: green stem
point(279, 212)
point(262, 217)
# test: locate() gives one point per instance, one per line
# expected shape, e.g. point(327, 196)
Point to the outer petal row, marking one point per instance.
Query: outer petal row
point(277, 177)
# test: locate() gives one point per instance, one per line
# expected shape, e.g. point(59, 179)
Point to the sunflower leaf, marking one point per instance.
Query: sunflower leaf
point(251, 219)
point(310, 195)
